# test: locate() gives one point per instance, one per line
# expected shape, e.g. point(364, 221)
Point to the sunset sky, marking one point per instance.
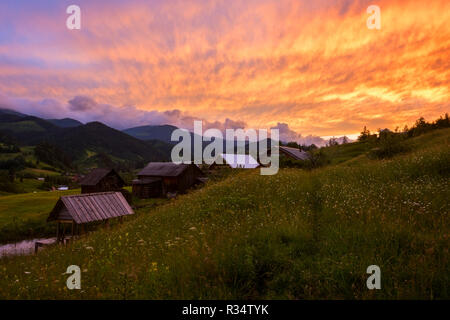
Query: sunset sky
point(310, 68)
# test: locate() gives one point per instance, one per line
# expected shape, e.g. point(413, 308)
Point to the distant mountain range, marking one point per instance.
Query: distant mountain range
point(10, 112)
point(87, 144)
point(161, 132)
point(164, 133)
point(83, 143)
point(65, 123)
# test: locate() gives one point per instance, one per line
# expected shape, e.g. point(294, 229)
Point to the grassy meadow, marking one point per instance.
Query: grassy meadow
point(295, 235)
point(26, 178)
point(24, 215)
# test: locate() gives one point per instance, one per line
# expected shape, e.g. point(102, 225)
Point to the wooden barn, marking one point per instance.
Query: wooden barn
point(145, 188)
point(77, 210)
point(101, 180)
point(293, 153)
point(160, 178)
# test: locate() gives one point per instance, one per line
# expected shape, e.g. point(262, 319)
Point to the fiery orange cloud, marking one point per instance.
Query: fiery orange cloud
point(312, 65)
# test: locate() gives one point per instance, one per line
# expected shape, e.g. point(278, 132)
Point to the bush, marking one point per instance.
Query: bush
point(388, 145)
point(7, 186)
point(317, 159)
point(52, 155)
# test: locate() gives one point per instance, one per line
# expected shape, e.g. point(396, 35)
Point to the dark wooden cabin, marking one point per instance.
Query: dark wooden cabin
point(81, 209)
point(293, 153)
point(159, 178)
point(101, 180)
point(145, 188)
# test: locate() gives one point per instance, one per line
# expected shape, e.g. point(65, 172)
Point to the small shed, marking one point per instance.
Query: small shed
point(76, 210)
point(293, 153)
point(101, 180)
point(145, 188)
point(159, 178)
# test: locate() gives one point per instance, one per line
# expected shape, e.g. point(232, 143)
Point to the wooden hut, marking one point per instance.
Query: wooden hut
point(78, 210)
point(145, 188)
point(101, 180)
point(159, 178)
point(293, 153)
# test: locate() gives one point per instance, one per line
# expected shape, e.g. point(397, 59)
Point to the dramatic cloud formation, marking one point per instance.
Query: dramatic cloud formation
point(87, 109)
point(303, 66)
point(288, 135)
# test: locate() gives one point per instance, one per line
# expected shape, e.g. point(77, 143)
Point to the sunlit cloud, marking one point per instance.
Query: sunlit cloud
point(312, 65)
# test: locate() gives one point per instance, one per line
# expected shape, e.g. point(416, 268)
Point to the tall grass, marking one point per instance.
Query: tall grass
point(24, 215)
point(294, 235)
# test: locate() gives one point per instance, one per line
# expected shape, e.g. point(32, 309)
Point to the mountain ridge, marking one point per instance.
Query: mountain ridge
point(84, 143)
point(65, 122)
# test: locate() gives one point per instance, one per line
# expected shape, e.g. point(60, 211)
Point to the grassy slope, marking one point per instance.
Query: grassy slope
point(345, 152)
point(41, 170)
point(24, 215)
point(294, 235)
point(22, 126)
point(28, 153)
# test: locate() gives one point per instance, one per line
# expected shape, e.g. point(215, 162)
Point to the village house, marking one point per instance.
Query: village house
point(101, 180)
point(78, 210)
point(158, 179)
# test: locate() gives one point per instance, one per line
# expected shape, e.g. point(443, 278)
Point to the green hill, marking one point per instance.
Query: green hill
point(86, 144)
point(30, 144)
point(10, 112)
point(83, 141)
point(295, 235)
point(162, 132)
point(24, 215)
point(65, 123)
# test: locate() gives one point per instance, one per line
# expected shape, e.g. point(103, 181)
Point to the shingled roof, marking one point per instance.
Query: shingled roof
point(146, 180)
point(94, 177)
point(295, 153)
point(164, 169)
point(90, 207)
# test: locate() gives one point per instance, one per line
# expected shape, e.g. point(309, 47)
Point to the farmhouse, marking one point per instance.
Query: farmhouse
point(235, 161)
point(81, 209)
point(293, 153)
point(159, 178)
point(147, 187)
point(101, 180)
